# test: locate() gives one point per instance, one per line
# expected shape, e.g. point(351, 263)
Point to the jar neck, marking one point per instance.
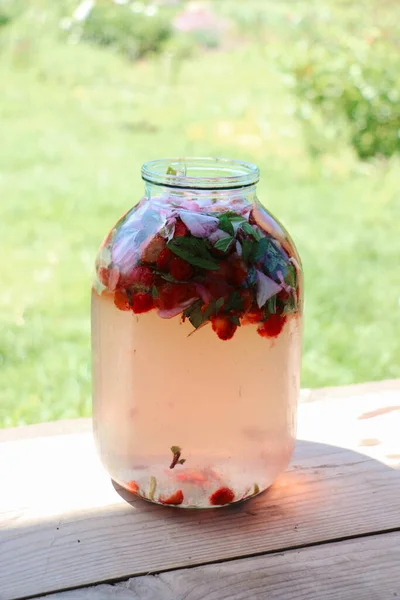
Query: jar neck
point(181, 196)
point(205, 181)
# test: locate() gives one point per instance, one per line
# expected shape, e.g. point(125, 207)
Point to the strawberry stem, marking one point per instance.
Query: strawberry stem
point(176, 451)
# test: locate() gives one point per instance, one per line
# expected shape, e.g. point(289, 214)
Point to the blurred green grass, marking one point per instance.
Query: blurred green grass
point(77, 122)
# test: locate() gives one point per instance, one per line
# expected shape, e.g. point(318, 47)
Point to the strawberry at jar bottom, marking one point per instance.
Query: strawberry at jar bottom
point(174, 499)
point(222, 496)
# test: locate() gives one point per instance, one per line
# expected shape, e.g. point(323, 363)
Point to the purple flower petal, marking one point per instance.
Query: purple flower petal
point(199, 225)
point(177, 310)
point(266, 288)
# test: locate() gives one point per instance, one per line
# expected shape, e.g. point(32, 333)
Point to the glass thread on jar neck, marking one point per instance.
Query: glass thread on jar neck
point(200, 178)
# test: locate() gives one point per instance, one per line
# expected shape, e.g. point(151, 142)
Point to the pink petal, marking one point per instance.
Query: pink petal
point(284, 285)
point(203, 293)
point(177, 310)
point(124, 251)
point(217, 235)
point(266, 288)
point(190, 205)
point(199, 225)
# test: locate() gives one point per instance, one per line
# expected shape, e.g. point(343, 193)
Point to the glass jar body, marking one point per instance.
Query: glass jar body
point(196, 341)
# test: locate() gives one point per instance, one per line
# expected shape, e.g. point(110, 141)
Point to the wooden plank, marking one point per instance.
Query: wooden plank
point(361, 569)
point(63, 524)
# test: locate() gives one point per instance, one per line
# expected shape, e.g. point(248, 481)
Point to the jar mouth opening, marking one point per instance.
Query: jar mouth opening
point(200, 173)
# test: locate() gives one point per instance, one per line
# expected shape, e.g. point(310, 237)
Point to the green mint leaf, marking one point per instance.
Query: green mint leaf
point(218, 305)
point(291, 275)
point(234, 217)
point(154, 291)
point(195, 251)
point(263, 246)
point(195, 314)
point(256, 488)
point(248, 250)
point(234, 302)
point(171, 171)
point(225, 224)
point(271, 305)
point(247, 228)
point(182, 461)
point(291, 304)
point(224, 243)
point(210, 310)
point(176, 449)
point(168, 277)
point(235, 320)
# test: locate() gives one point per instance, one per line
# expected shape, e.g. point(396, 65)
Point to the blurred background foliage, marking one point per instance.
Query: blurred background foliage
point(307, 89)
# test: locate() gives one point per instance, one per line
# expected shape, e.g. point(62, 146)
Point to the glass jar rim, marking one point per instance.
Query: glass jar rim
point(200, 173)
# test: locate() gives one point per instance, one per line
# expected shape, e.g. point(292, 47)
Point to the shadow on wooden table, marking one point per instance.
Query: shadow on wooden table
point(328, 493)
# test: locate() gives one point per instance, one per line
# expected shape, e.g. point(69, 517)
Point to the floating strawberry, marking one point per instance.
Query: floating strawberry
point(254, 314)
point(121, 300)
point(223, 495)
point(180, 229)
point(142, 303)
point(132, 486)
point(140, 276)
point(223, 327)
point(239, 273)
point(180, 269)
point(153, 249)
point(218, 288)
point(171, 295)
point(247, 299)
point(164, 259)
point(175, 498)
point(272, 326)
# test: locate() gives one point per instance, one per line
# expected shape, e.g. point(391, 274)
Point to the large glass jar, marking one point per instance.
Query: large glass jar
point(196, 336)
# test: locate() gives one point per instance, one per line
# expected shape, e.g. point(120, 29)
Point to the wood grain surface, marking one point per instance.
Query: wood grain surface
point(360, 569)
point(64, 525)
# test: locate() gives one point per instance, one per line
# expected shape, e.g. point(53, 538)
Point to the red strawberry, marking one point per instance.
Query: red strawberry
point(218, 288)
point(247, 299)
point(272, 326)
point(224, 272)
point(239, 273)
point(121, 300)
point(132, 486)
point(164, 259)
point(173, 294)
point(153, 249)
point(139, 275)
point(222, 496)
point(180, 229)
point(180, 269)
point(254, 315)
point(142, 303)
point(175, 498)
point(223, 327)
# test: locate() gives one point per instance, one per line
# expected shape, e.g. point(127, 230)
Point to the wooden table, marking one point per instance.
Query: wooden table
point(328, 529)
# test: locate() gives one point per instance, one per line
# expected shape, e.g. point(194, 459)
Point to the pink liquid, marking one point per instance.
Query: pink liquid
point(229, 405)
